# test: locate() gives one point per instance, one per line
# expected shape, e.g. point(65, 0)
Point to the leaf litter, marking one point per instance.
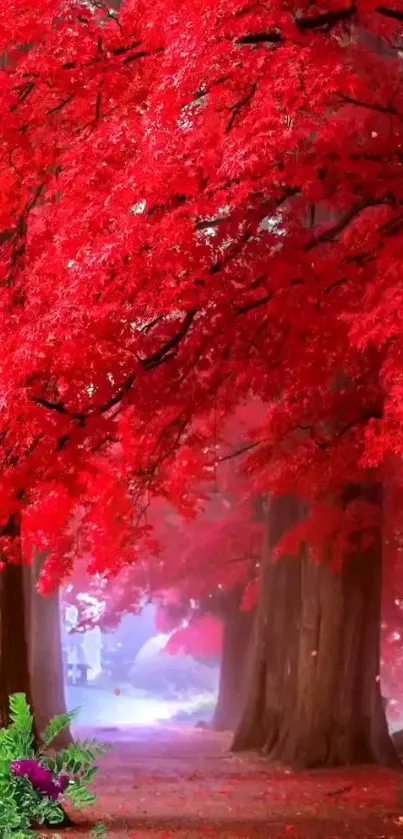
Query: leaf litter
point(183, 783)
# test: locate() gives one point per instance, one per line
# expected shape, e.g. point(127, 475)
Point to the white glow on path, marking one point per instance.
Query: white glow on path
point(105, 708)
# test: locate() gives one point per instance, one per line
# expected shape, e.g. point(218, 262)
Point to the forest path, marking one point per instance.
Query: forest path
point(159, 783)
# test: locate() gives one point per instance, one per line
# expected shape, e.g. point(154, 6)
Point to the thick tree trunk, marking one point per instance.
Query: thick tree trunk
point(231, 692)
point(16, 614)
point(338, 717)
point(14, 666)
point(271, 674)
point(45, 653)
point(315, 698)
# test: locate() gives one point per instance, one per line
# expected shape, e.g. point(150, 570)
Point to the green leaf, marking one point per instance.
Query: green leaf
point(55, 815)
point(21, 729)
point(21, 805)
point(58, 724)
point(20, 834)
point(99, 831)
point(20, 712)
point(80, 795)
point(88, 775)
point(92, 748)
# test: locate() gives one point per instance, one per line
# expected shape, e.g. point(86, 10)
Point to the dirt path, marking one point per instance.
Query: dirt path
point(183, 783)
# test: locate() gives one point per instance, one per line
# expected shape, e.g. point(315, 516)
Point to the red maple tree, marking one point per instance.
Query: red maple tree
point(197, 212)
point(216, 243)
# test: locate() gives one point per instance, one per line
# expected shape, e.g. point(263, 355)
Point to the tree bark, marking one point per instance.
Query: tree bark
point(16, 662)
point(14, 665)
point(272, 664)
point(236, 638)
point(315, 697)
point(30, 647)
point(45, 653)
point(338, 716)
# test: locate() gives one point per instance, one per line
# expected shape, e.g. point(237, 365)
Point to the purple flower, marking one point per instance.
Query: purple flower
point(40, 777)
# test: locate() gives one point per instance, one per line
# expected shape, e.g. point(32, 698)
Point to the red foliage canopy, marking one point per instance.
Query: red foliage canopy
point(198, 209)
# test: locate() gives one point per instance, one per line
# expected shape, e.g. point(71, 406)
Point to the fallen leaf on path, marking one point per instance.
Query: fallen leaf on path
point(339, 791)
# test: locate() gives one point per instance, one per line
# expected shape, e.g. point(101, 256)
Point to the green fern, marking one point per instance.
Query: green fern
point(22, 807)
point(57, 725)
point(80, 795)
point(21, 729)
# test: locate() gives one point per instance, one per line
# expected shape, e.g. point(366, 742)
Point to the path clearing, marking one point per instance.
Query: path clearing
point(159, 783)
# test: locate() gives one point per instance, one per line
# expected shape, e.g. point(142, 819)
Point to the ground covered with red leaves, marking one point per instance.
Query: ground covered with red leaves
point(184, 783)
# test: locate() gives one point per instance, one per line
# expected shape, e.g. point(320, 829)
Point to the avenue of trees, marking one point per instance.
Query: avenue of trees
point(201, 244)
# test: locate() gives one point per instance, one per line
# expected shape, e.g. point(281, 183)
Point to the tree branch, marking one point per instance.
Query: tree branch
point(274, 37)
point(376, 413)
point(165, 353)
point(242, 310)
point(329, 234)
point(393, 13)
point(381, 109)
point(237, 108)
point(239, 452)
point(328, 20)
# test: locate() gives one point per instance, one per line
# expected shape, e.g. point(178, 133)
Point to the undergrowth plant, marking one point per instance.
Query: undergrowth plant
point(34, 780)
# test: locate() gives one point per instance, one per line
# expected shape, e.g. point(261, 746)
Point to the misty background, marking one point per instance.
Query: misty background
point(125, 677)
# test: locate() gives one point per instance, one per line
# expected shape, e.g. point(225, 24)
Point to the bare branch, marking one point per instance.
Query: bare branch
point(239, 452)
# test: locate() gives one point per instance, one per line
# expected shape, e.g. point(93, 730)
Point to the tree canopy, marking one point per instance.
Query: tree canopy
point(200, 231)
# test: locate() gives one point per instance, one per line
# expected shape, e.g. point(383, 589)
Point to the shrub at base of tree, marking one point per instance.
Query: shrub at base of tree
point(33, 780)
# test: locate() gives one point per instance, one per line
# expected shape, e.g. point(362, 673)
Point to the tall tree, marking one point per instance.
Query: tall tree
point(234, 665)
point(42, 616)
point(14, 654)
point(30, 648)
point(315, 696)
point(260, 261)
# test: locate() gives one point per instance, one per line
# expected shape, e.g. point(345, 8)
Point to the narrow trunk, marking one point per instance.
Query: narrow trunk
point(315, 695)
point(237, 632)
point(45, 653)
